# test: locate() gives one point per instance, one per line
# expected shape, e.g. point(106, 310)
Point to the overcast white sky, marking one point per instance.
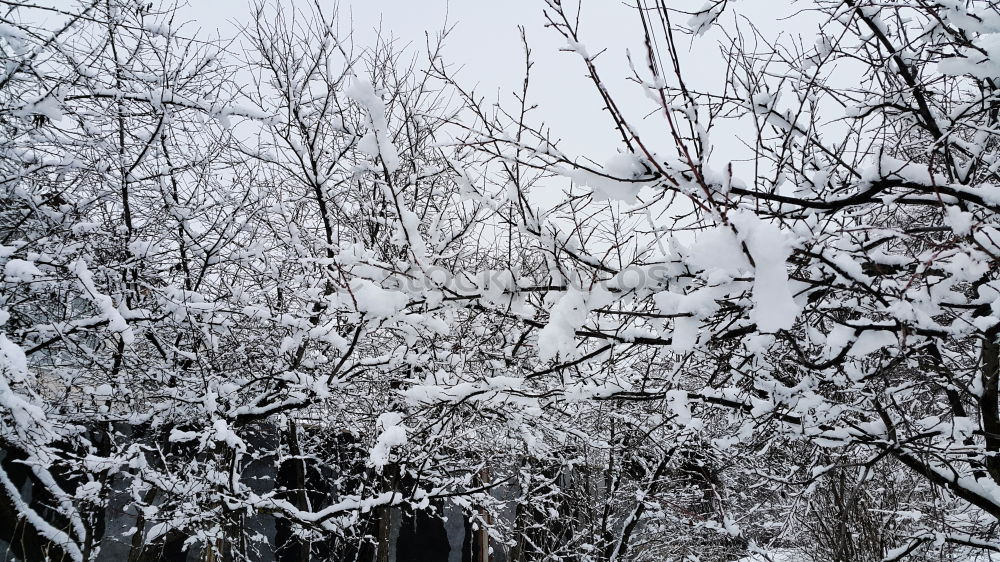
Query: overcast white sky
point(485, 43)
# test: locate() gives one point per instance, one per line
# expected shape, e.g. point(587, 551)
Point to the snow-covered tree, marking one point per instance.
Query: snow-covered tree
point(215, 286)
point(817, 314)
point(278, 296)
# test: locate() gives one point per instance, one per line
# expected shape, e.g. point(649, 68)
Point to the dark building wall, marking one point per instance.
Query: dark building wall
point(441, 534)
